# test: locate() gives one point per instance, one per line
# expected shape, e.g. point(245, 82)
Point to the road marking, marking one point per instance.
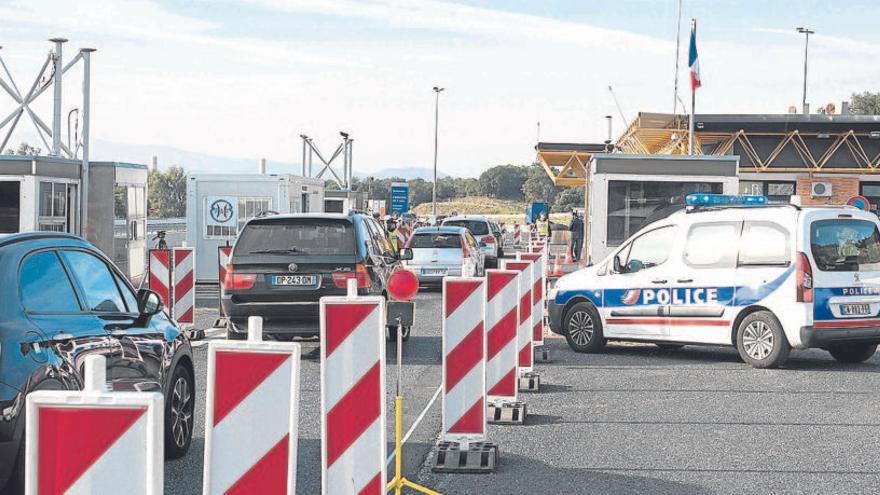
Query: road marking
point(416, 424)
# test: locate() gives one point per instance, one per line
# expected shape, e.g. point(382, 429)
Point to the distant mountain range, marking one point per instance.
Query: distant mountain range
point(196, 162)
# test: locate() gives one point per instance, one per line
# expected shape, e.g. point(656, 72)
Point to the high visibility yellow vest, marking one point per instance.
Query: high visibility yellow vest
point(392, 238)
point(544, 227)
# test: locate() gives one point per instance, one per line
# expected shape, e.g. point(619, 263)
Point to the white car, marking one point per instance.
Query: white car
point(763, 278)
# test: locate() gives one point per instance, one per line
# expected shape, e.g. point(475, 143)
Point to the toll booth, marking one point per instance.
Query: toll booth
point(626, 192)
point(218, 206)
point(41, 193)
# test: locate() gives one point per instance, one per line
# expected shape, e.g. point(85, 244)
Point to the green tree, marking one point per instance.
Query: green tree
point(568, 198)
point(538, 188)
point(866, 103)
point(167, 193)
point(24, 149)
point(503, 182)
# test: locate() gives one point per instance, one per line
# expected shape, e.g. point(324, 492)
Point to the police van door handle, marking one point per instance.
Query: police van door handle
point(658, 281)
point(685, 280)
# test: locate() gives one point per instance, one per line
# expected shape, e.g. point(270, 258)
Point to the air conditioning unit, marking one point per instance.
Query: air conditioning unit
point(820, 189)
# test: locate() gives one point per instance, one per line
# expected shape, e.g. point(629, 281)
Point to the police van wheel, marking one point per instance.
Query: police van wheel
point(852, 353)
point(583, 328)
point(761, 342)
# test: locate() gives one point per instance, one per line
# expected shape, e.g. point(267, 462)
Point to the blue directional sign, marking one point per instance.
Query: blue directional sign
point(399, 198)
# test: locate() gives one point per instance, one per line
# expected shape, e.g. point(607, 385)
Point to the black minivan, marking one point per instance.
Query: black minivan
point(61, 299)
point(282, 265)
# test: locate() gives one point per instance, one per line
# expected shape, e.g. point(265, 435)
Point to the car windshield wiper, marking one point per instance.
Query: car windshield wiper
point(276, 251)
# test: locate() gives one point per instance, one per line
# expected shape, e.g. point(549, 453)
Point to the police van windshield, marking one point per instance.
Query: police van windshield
point(845, 245)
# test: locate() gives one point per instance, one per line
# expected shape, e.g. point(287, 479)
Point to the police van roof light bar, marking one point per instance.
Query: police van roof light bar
point(697, 200)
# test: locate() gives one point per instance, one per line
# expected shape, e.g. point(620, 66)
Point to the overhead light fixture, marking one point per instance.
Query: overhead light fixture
point(823, 135)
point(874, 134)
point(699, 125)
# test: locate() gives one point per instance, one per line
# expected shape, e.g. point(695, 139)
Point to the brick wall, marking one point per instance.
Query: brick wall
point(842, 188)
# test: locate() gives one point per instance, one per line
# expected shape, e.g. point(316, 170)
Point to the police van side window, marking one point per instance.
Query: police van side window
point(764, 243)
point(650, 249)
point(712, 245)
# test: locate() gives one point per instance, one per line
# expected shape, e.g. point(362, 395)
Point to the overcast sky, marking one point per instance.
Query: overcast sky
point(243, 78)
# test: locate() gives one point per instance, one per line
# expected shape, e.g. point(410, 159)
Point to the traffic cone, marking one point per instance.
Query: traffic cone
point(568, 255)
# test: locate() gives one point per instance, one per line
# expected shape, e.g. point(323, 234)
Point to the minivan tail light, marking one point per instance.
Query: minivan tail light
point(464, 250)
point(804, 278)
point(236, 281)
point(489, 239)
point(340, 279)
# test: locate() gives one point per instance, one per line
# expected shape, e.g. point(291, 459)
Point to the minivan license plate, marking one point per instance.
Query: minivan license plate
point(298, 280)
point(855, 309)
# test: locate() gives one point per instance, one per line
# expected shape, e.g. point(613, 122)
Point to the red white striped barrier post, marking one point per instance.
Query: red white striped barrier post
point(502, 316)
point(184, 288)
point(464, 364)
point(224, 255)
point(159, 266)
point(94, 440)
point(463, 446)
point(539, 291)
point(529, 381)
point(251, 415)
point(352, 395)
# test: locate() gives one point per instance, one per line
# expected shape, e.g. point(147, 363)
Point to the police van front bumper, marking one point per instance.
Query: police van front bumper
point(822, 337)
point(554, 312)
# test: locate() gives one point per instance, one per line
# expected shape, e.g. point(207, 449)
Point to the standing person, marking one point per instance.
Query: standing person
point(393, 235)
point(544, 226)
point(576, 227)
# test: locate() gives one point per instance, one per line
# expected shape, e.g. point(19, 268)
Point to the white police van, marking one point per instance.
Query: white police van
point(733, 270)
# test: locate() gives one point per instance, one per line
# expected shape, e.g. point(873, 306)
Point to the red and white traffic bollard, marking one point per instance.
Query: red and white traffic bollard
point(463, 446)
point(159, 267)
point(184, 286)
point(539, 289)
point(94, 440)
point(353, 395)
point(529, 381)
point(502, 315)
point(251, 415)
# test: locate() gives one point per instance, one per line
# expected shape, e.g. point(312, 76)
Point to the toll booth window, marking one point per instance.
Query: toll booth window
point(776, 191)
point(10, 207)
point(53, 206)
point(634, 204)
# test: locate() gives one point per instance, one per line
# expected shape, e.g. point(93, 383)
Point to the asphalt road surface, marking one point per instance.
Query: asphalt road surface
point(632, 420)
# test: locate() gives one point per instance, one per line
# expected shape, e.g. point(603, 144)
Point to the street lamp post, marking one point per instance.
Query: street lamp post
point(437, 91)
point(806, 32)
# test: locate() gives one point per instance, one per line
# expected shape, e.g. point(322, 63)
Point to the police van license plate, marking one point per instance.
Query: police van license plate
point(297, 280)
point(855, 309)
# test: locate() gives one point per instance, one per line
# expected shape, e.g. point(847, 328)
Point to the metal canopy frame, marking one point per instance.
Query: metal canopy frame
point(344, 149)
point(566, 164)
point(55, 60)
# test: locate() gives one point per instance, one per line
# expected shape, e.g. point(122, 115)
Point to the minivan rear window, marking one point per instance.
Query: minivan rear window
point(477, 227)
point(437, 241)
point(845, 245)
point(305, 236)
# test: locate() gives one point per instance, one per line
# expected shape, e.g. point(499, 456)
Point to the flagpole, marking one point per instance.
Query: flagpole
point(693, 101)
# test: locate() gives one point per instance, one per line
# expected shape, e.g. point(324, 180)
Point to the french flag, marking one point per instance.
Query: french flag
point(693, 61)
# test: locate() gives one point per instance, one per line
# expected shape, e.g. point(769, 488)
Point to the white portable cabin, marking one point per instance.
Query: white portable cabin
point(626, 192)
point(42, 193)
point(218, 206)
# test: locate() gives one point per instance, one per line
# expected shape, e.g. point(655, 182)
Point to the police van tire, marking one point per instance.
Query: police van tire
point(852, 353)
point(761, 342)
point(583, 328)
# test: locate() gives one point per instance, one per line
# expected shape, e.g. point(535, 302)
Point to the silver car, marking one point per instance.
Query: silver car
point(443, 251)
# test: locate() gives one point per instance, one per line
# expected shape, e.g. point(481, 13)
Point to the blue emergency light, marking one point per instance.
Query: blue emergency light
point(724, 199)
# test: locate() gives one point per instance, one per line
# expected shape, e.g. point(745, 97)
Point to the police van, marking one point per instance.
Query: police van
point(734, 270)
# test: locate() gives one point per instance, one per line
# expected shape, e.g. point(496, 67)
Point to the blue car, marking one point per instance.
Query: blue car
point(61, 300)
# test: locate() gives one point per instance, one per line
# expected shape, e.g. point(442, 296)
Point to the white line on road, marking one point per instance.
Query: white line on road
point(414, 425)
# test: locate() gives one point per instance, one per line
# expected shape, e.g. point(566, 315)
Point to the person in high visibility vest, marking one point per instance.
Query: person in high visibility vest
point(544, 226)
point(393, 235)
